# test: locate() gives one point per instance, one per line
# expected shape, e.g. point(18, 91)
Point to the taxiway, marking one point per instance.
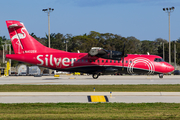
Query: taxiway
point(88, 80)
point(81, 97)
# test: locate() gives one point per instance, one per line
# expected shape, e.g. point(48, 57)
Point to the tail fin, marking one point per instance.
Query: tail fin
point(23, 42)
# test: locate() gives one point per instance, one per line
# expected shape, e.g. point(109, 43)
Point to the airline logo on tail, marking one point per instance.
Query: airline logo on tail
point(16, 34)
point(19, 35)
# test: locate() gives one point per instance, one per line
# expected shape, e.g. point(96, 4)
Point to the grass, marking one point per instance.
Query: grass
point(89, 88)
point(90, 111)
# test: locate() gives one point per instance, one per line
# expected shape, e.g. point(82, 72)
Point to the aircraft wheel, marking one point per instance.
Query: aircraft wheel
point(160, 75)
point(95, 76)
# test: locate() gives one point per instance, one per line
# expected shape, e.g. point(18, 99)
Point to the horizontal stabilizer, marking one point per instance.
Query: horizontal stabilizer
point(15, 25)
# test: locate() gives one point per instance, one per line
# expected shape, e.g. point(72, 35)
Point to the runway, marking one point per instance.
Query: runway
point(88, 80)
point(81, 97)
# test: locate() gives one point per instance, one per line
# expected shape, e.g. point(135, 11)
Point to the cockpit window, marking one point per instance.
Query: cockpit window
point(158, 60)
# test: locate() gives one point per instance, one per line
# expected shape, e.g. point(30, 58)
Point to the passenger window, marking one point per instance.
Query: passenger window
point(94, 60)
point(86, 60)
point(114, 61)
point(102, 61)
point(126, 61)
point(78, 60)
point(107, 61)
point(118, 61)
point(98, 61)
point(110, 61)
point(130, 61)
point(82, 60)
point(90, 60)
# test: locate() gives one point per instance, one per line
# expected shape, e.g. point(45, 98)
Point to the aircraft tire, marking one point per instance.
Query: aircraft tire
point(160, 75)
point(95, 76)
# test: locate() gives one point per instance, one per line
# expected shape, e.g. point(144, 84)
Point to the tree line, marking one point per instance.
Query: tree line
point(108, 41)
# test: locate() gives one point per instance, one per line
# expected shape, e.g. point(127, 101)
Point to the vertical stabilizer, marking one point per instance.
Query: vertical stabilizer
point(16, 33)
point(23, 42)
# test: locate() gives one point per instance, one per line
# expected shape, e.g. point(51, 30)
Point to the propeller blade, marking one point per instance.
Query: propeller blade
point(123, 63)
point(123, 54)
point(123, 50)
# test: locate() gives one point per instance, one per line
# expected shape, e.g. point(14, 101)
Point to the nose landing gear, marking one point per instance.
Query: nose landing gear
point(160, 75)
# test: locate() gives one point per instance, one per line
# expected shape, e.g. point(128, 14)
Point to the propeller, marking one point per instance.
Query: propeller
point(123, 54)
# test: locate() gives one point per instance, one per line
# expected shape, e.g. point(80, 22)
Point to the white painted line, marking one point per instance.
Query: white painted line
point(89, 93)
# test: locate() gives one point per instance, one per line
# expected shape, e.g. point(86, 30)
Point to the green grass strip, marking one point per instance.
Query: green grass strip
point(90, 88)
point(90, 111)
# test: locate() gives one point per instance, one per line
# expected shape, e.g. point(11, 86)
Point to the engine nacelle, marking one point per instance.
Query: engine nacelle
point(106, 54)
point(96, 51)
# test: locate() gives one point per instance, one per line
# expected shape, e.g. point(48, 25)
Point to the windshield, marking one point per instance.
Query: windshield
point(158, 60)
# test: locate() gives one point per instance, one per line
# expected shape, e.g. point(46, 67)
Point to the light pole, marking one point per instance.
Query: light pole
point(66, 41)
point(3, 53)
point(48, 11)
point(169, 10)
point(163, 52)
point(175, 54)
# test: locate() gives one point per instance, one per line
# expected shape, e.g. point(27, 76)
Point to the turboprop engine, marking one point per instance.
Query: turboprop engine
point(107, 54)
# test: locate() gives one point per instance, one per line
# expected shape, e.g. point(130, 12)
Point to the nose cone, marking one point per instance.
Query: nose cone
point(170, 68)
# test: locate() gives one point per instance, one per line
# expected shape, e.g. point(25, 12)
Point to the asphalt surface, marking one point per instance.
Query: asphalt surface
point(88, 80)
point(81, 97)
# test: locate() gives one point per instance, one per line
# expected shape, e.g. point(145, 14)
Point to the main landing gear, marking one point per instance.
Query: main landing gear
point(160, 75)
point(95, 75)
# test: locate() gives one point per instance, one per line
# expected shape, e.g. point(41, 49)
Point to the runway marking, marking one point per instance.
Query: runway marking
point(97, 98)
point(56, 75)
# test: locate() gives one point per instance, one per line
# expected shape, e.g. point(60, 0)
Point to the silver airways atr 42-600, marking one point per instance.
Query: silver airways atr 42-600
point(97, 62)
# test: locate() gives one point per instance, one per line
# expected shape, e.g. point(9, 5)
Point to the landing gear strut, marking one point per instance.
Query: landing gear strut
point(160, 75)
point(95, 75)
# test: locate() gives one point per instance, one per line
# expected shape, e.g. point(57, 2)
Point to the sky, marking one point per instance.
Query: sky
point(143, 19)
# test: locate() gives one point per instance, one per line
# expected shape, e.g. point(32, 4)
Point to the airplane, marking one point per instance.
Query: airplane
point(97, 62)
